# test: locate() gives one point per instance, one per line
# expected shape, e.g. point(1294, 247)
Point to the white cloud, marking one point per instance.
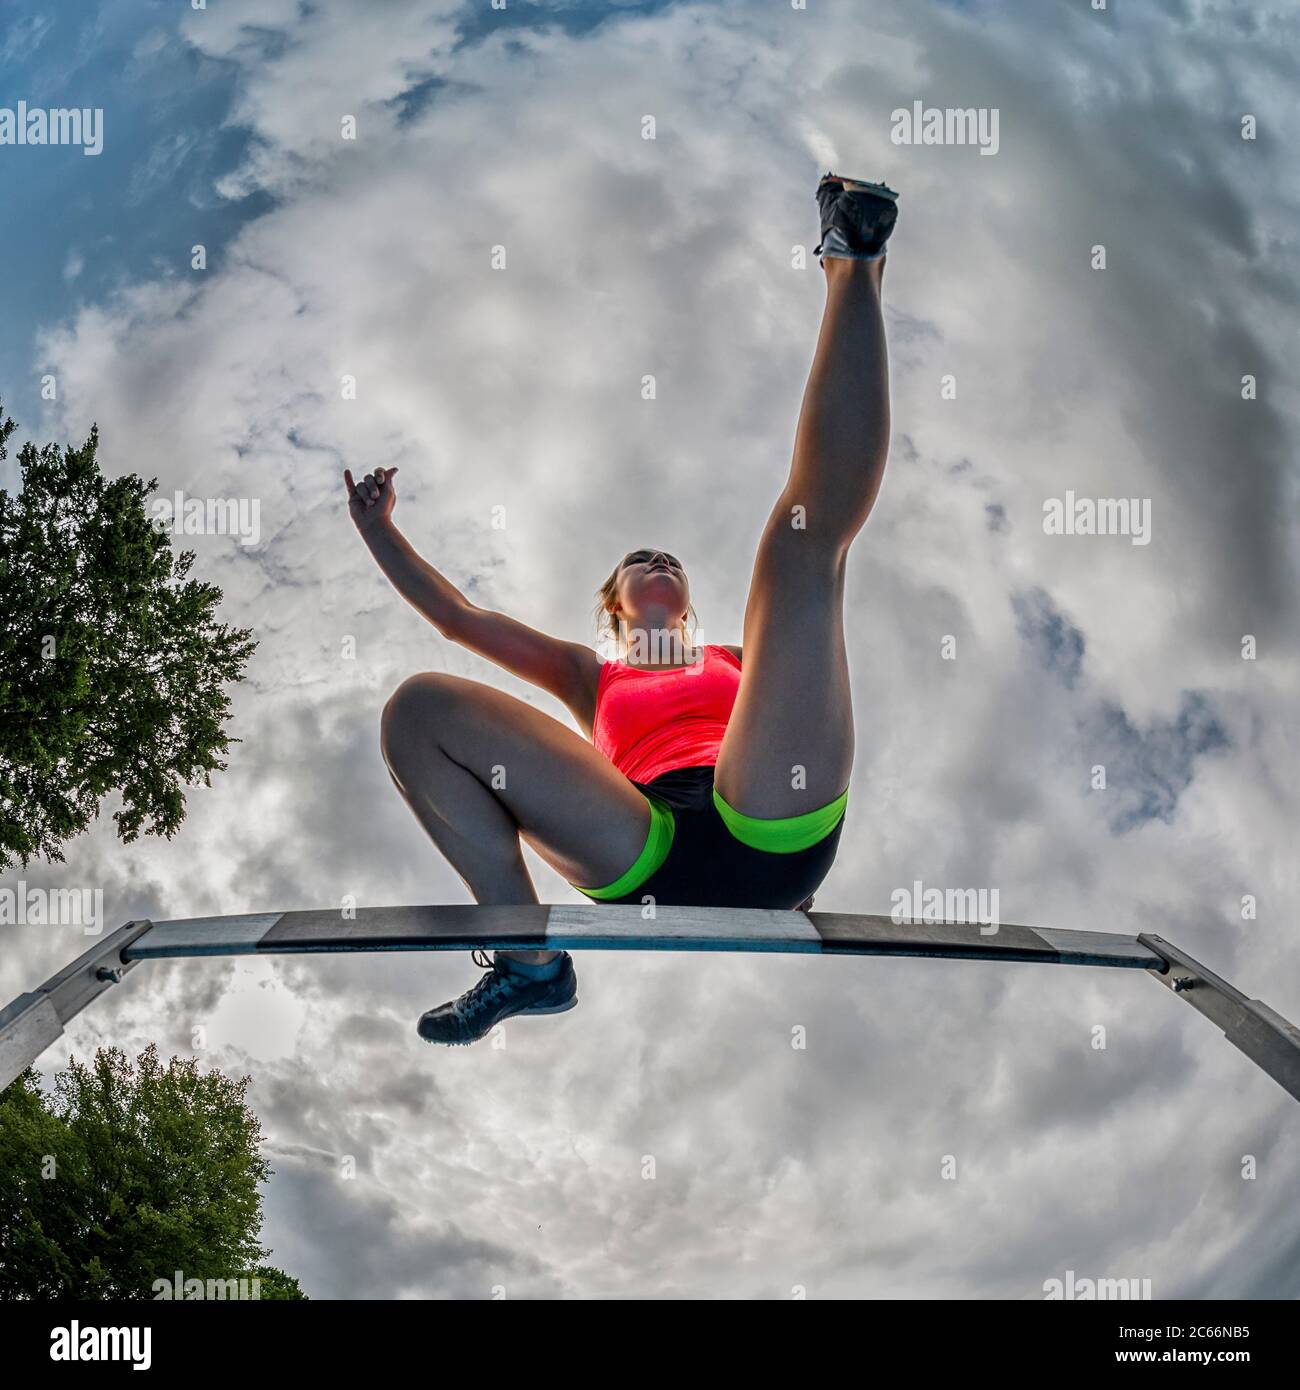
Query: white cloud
point(522, 388)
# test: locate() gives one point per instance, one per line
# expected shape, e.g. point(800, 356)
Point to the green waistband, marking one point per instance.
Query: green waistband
point(787, 835)
point(657, 844)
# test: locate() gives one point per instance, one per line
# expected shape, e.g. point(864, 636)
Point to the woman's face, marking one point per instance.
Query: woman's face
point(647, 577)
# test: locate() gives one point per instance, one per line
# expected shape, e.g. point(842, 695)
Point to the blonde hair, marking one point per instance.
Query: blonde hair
point(607, 620)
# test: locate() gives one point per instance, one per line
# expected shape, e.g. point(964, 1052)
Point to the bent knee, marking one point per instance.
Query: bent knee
point(803, 553)
point(417, 709)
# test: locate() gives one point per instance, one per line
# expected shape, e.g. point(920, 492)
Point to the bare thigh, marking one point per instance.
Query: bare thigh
point(788, 748)
point(567, 800)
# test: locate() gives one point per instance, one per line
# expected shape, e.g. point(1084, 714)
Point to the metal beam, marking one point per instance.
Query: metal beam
point(591, 927)
point(35, 1020)
point(1268, 1039)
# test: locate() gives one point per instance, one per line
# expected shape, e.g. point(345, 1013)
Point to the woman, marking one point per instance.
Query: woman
point(709, 779)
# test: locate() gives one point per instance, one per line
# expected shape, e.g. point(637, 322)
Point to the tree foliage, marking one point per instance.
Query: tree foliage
point(113, 665)
point(127, 1175)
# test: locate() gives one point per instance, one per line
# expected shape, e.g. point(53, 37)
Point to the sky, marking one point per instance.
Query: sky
point(951, 1129)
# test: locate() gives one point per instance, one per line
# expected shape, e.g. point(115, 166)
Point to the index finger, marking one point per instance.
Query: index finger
point(347, 478)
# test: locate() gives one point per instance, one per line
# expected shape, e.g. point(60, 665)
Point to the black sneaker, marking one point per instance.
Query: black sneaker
point(857, 218)
point(501, 993)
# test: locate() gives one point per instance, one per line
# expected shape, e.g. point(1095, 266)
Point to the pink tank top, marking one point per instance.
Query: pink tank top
point(649, 722)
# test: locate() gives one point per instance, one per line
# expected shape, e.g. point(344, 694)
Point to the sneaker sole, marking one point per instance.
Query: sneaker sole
point(548, 1008)
point(466, 1042)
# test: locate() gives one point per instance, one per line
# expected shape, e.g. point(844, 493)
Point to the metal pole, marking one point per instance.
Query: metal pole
point(1268, 1039)
point(35, 1020)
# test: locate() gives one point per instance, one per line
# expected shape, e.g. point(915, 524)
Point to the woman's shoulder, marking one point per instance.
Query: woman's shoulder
point(733, 652)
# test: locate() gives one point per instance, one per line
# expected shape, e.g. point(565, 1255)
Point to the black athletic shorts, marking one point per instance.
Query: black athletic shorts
point(706, 865)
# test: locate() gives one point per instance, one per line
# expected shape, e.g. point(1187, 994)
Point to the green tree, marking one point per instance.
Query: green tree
point(112, 662)
point(275, 1283)
point(126, 1175)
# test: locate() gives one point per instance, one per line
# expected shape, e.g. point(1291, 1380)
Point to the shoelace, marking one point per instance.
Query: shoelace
point(483, 993)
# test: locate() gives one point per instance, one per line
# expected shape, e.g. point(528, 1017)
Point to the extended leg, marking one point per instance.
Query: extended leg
point(842, 439)
point(789, 746)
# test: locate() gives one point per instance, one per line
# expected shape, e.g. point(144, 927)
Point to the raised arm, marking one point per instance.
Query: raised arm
point(568, 670)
